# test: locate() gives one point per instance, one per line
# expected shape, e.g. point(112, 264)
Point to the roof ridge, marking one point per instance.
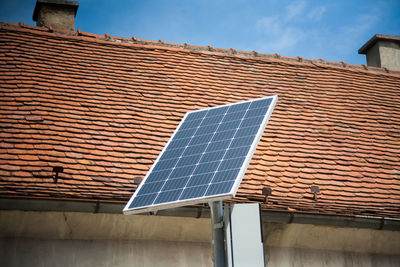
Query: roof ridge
point(186, 46)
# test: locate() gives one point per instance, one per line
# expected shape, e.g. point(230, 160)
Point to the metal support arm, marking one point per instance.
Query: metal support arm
point(218, 244)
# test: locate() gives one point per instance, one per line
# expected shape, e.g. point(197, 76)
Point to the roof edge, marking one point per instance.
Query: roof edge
point(200, 211)
point(202, 49)
point(376, 38)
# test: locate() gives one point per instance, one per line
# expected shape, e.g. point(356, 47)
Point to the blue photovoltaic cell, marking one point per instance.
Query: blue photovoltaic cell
point(206, 157)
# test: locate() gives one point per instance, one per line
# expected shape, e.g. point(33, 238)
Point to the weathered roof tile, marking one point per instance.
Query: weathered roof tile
point(104, 110)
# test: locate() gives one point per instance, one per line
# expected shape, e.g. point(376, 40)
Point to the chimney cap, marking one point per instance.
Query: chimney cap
point(65, 3)
point(376, 38)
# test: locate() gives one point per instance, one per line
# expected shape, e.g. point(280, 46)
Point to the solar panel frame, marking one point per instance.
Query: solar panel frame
point(179, 132)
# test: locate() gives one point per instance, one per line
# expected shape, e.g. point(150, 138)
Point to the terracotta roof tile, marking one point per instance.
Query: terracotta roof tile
point(103, 109)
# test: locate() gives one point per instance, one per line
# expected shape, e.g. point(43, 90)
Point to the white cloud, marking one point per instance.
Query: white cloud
point(266, 23)
point(361, 25)
point(303, 26)
point(269, 25)
point(288, 38)
point(282, 30)
point(317, 13)
point(294, 9)
point(353, 34)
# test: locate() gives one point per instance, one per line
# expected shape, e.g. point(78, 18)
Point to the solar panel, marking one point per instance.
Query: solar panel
point(206, 157)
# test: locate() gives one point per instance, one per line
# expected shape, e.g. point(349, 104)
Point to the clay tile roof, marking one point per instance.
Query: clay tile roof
point(103, 108)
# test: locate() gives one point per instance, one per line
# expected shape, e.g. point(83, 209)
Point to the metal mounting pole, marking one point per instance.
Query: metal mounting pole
point(218, 244)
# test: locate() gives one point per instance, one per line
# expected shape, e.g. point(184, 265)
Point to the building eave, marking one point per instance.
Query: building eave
point(356, 221)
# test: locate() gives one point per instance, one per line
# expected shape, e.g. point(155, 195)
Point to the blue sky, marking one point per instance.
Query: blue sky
point(331, 30)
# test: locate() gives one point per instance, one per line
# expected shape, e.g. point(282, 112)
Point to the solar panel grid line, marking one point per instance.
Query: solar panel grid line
point(205, 158)
point(188, 180)
point(225, 151)
point(239, 159)
point(160, 156)
point(255, 141)
point(216, 129)
point(226, 118)
point(197, 128)
point(126, 209)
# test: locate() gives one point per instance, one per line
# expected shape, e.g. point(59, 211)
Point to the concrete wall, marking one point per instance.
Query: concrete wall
point(58, 17)
point(301, 257)
point(57, 252)
point(90, 226)
point(87, 239)
point(373, 56)
point(313, 245)
point(390, 55)
point(384, 54)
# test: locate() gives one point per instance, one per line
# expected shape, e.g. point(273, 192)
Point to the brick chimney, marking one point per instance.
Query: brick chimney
point(59, 14)
point(382, 51)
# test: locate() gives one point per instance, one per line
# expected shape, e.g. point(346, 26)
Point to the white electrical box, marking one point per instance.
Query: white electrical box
point(243, 235)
